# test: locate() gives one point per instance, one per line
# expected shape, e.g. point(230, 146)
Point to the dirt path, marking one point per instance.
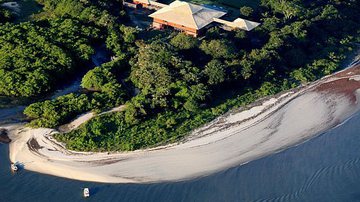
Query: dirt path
point(85, 118)
point(233, 139)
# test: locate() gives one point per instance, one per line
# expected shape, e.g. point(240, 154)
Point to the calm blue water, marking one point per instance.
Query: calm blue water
point(326, 168)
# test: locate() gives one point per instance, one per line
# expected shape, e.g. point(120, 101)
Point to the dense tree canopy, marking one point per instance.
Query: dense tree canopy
point(215, 71)
point(289, 8)
point(34, 58)
point(183, 41)
point(152, 72)
point(98, 12)
point(121, 40)
point(50, 113)
point(218, 48)
point(97, 78)
point(108, 93)
point(176, 83)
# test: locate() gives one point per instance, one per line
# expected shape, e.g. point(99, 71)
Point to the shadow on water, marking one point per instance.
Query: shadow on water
point(28, 8)
point(22, 9)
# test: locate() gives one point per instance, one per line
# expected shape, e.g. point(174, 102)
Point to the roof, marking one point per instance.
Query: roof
point(187, 14)
point(239, 23)
point(143, 1)
point(246, 24)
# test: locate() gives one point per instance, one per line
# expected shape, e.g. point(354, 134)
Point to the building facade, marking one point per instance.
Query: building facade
point(186, 17)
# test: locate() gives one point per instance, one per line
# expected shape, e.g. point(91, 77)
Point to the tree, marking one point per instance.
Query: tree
point(129, 33)
point(300, 75)
point(289, 8)
point(213, 33)
point(114, 91)
point(131, 114)
point(215, 71)
point(270, 24)
point(34, 110)
point(329, 12)
point(152, 71)
point(96, 79)
point(246, 11)
point(197, 94)
point(218, 48)
point(84, 10)
point(240, 34)
point(267, 88)
point(183, 41)
point(36, 83)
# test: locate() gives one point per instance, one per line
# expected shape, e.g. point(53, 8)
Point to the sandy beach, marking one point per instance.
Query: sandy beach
point(236, 138)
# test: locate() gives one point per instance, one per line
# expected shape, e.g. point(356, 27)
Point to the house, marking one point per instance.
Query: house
point(187, 17)
point(144, 3)
point(239, 23)
point(150, 4)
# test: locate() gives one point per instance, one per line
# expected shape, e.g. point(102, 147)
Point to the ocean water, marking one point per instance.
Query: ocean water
point(325, 168)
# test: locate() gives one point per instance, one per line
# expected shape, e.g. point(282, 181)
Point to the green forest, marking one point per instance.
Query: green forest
point(34, 57)
point(169, 82)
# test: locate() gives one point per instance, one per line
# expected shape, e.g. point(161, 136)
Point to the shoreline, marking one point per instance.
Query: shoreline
point(4, 139)
point(235, 138)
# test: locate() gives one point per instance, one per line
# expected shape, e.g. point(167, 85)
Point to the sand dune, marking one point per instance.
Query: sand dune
point(233, 139)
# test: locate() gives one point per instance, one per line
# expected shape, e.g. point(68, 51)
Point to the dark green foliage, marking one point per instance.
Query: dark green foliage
point(51, 113)
point(181, 85)
point(129, 34)
point(97, 78)
point(161, 74)
point(218, 48)
point(121, 40)
point(88, 11)
point(246, 11)
point(184, 42)
point(34, 58)
point(194, 97)
point(215, 71)
point(152, 72)
point(113, 133)
point(289, 8)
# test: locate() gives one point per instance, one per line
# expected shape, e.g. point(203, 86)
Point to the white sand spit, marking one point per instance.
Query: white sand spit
point(233, 139)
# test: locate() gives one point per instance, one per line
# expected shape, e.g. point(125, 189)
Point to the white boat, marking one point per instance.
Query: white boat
point(86, 192)
point(14, 167)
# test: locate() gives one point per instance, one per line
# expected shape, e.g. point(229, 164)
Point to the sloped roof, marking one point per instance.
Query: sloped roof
point(144, 1)
point(151, 2)
point(246, 24)
point(187, 14)
point(239, 23)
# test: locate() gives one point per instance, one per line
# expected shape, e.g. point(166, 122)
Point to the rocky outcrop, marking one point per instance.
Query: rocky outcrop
point(3, 136)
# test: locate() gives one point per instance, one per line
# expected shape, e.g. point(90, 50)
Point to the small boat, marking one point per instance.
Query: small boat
point(14, 167)
point(86, 192)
